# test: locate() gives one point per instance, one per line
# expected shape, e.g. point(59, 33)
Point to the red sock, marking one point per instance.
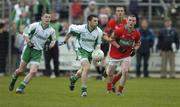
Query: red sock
point(120, 88)
point(115, 79)
point(109, 86)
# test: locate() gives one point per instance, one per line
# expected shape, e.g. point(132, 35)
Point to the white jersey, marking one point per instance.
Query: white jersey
point(38, 35)
point(86, 39)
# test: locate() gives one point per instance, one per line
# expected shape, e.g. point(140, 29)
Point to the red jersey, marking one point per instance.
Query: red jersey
point(114, 24)
point(126, 41)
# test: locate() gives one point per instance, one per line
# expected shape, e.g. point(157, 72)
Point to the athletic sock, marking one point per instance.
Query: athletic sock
point(109, 86)
point(83, 88)
point(74, 78)
point(120, 88)
point(22, 85)
point(14, 76)
point(115, 79)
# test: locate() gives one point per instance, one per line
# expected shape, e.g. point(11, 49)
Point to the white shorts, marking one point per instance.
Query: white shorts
point(116, 62)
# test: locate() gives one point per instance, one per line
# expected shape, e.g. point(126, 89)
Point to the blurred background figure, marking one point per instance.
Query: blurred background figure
point(3, 47)
point(173, 12)
point(39, 6)
point(134, 9)
point(103, 20)
point(19, 8)
point(19, 43)
point(53, 53)
point(143, 53)
point(168, 44)
point(77, 17)
point(91, 9)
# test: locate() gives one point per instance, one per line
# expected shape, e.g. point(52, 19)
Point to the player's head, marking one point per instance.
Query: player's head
point(93, 21)
point(46, 18)
point(120, 11)
point(131, 21)
point(167, 22)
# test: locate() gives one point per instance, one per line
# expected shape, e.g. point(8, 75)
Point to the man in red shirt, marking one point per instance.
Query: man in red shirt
point(124, 41)
point(115, 23)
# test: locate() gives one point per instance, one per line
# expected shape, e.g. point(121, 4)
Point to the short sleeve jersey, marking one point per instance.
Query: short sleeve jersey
point(125, 40)
point(38, 35)
point(86, 39)
point(114, 24)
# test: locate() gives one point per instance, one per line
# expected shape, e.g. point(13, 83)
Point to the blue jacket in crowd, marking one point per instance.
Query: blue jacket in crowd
point(165, 39)
point(147, 40)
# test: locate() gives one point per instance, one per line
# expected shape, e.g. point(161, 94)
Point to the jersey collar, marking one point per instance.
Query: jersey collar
point(129, 30)
point(87, 27)
point(42, 25)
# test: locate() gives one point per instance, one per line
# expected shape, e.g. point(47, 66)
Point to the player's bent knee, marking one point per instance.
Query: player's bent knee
point(33, 72)
point(109, 73)
point(18, 71)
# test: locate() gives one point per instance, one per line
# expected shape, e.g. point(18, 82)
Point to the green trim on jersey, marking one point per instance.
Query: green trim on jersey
point(78, 36)
point(43, 27)
point(30, 54)
point(32, 33)
point(82, 53)
point(96, 43)
point(87, 27)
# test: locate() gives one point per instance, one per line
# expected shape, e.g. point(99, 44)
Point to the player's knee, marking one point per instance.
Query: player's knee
point(19, 71)
point(109, 73)
point(125, 71)
point(33, 72)
point(86, 67)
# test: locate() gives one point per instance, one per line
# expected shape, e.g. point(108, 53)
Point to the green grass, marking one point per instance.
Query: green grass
point(45, 92)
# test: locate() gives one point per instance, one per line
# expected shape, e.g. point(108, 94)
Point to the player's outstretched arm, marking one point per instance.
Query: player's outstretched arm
point(67, 36)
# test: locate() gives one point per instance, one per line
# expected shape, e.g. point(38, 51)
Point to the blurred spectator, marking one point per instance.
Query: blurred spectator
point(173, 13)
point(3, 47)
point(62, 8)
point(24, 20)
point(40, 6)
point(103, 20)
point(19, 8)
point(17, 38)
point(19, 43)
point(168, 44)
point(91, 9)
point(53, 53)
point(107, 11)
point(143, 53)
point(65, 27)
point(134, 9)
point(76, 12)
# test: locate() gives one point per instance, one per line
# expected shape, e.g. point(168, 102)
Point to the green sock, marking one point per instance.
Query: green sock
point(74, 78)
point(14, 77)
point(22, 85)
point(83, 88)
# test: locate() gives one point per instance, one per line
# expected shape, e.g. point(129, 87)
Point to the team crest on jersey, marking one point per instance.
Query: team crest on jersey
point(125, 42)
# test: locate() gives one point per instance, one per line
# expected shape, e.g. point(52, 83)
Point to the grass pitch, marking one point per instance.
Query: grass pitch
point(45, 92)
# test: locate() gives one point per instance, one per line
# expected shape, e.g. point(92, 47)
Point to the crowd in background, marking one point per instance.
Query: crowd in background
point(25, 12)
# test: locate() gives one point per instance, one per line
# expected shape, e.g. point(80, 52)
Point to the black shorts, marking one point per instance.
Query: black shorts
point(105, 48)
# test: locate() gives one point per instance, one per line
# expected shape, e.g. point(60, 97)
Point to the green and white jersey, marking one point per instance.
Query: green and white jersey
point(86, 39)
point(38, 35)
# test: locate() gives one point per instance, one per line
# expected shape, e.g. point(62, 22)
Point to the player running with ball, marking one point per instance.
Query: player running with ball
point(89, 38)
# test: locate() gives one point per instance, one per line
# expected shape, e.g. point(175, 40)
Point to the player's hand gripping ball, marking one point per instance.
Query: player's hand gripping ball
point(97, 55)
